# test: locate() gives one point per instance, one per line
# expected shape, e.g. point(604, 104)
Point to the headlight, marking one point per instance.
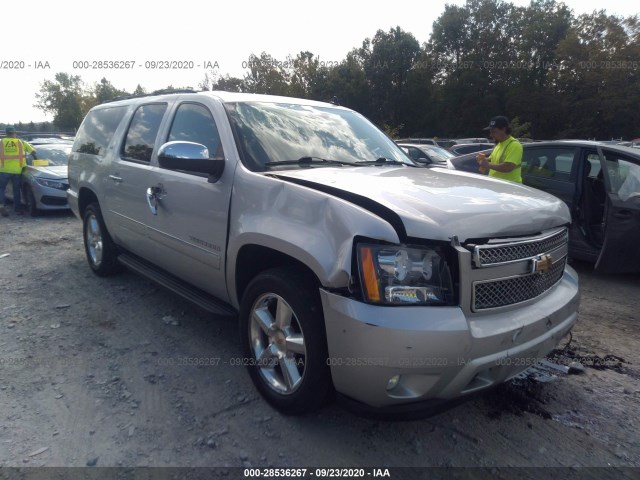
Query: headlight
point(403, 275)
point(52, 183)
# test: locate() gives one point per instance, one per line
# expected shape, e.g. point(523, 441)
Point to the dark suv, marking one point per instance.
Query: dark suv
point(601, 185)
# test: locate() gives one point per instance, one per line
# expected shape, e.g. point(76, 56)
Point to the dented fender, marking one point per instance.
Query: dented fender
point(313, 227)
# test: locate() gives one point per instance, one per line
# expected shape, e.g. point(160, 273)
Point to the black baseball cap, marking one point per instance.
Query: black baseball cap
point(498, 122)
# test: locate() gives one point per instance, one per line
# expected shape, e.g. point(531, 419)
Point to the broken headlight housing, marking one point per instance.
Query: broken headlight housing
point(405, 275)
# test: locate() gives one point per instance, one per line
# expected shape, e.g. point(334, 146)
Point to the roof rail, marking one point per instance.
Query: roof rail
point(164, 91)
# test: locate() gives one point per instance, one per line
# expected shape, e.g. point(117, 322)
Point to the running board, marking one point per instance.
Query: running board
point(170, 282)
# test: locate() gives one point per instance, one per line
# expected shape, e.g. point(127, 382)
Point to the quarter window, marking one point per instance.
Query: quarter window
point(97, 130)
point(141, 136)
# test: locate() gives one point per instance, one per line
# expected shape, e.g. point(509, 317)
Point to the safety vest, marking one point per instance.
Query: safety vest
point(12, 157)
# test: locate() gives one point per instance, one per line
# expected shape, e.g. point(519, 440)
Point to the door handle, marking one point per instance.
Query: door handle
point(115, 178)
point(152, 199)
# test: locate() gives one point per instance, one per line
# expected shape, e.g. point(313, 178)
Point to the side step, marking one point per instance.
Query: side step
point(165, 279)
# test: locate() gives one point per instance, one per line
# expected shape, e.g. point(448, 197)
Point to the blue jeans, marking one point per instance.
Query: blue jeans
point(14, 178)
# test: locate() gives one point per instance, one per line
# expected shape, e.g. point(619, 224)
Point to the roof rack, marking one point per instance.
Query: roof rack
point(164, 91)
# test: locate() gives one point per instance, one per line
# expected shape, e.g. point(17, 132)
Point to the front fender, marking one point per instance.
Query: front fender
point(313, 227)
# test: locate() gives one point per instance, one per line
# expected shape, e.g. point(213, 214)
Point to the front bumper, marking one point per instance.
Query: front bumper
point(48, 198)
point(440, 352)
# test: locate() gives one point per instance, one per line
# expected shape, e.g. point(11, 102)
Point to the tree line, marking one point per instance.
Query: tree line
point(561, 75)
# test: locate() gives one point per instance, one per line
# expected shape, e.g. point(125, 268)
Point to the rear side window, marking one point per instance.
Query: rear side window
point(97, 130)
point(142, 133)
point(556, 163)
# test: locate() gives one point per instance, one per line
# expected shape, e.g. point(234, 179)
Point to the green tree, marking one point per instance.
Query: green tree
point(387, 60)
point(64, 99)
point(347, 83)
point(266, 75)
point(225, 83)
point(104, 91)
point(541, 27)
point(308, 77)
point(519, 129)
point(597, 80)
point(468, 48)
point(139, 90)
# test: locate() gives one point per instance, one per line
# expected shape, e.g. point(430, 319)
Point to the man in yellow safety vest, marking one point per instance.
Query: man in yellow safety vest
point(505, 161)
point(13, 156)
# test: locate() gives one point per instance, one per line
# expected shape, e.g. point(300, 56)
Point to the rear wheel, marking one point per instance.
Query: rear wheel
point(30, 200)
point(284, 340)
point(100, 250)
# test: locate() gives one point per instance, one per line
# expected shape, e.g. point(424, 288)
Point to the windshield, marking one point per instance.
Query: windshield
point(56, 155)
point(281, 132)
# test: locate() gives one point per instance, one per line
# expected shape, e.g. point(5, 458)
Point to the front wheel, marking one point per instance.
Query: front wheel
point(100, 250)
point(284, 340)
point(30, 200)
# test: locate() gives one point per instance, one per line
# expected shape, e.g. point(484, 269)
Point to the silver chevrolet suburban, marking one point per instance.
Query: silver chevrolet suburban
point(351, 268)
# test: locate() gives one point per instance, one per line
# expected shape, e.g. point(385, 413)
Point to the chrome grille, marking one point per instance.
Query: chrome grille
point(486, 255)
point(508, 291)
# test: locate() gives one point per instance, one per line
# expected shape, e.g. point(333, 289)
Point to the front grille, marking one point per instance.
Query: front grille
point(508, 291)
point(53, 201)
point(486, 255)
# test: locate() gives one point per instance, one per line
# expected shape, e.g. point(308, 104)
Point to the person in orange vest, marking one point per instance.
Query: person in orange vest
point(13, 156)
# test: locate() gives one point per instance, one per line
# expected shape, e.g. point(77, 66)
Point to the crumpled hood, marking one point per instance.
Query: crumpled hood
point(439, 204)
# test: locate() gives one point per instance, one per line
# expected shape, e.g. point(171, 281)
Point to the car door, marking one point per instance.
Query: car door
point(551, 169)
point(190, 222)
point(620, 250)
point(129, 176)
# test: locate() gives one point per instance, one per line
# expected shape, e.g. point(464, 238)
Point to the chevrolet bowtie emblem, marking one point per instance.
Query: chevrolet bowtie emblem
point(542, 264)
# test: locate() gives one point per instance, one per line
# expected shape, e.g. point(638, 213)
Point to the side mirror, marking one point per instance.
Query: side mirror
point(190, 157)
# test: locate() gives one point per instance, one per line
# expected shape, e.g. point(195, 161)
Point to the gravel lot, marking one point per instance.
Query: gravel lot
point(100, 372)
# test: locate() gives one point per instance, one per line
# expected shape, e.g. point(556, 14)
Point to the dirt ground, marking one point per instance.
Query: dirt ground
point(100, 372)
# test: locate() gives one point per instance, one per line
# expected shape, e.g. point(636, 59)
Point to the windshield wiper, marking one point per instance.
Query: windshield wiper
point(384, 161)
point(307, 161)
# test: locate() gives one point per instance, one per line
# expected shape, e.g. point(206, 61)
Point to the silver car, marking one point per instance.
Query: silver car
point(44, 181)
point(427, 155)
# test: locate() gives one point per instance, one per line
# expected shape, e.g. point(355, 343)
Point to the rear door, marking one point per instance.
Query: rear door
point(128, 178)
point(551, 169)
point(621, 248)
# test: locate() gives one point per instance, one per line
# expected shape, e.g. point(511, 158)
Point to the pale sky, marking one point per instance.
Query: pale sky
point(67, 31)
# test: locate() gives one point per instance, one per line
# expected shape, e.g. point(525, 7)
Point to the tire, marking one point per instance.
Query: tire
point(30, 201)
point(101, 252)
point(287, 358)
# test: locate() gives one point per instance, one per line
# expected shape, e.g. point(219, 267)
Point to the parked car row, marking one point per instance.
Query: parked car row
point(456, 147)
point(600, 183)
